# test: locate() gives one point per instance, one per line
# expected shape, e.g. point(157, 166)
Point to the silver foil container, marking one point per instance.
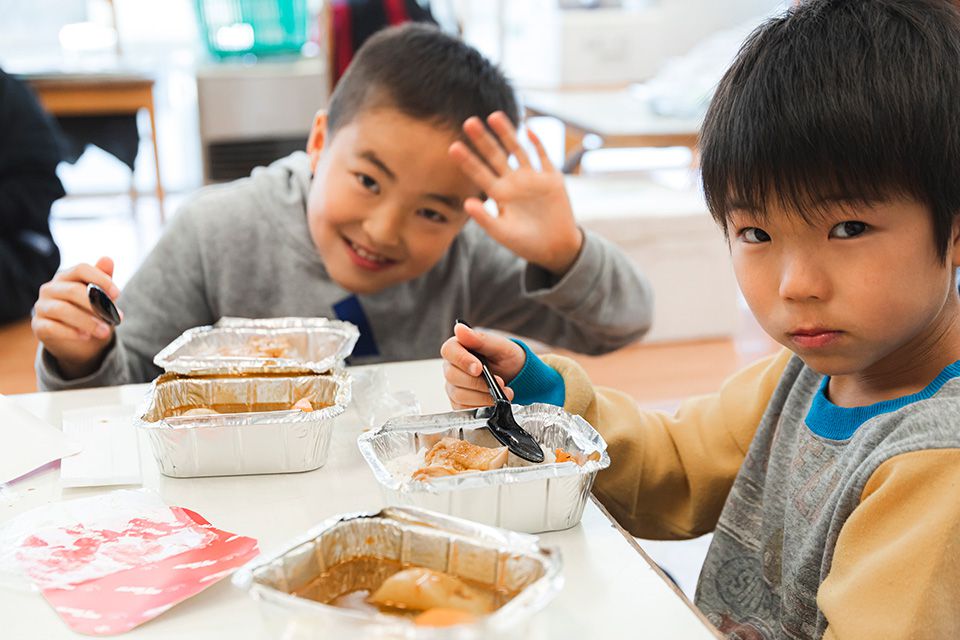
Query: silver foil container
point(527, 497)
point(251, 442)
point(314, 345)
point(498, 559)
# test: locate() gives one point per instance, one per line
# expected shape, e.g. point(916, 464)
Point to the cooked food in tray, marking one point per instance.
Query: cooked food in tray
point(578, 458)
point(259, 347)
point(429, 597)
point(400, 571)
point(216, 425)
point(303, 404)
point(451, 456)
point(419, 590)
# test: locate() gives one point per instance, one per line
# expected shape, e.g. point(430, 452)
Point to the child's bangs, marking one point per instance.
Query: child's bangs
point(773, 181)
point(814, 112)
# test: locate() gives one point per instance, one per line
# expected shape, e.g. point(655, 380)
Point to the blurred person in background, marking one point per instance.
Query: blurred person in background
point(29, 153)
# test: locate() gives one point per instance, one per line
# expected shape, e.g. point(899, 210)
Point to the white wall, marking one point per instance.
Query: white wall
point(545, 46)
point(685, 22)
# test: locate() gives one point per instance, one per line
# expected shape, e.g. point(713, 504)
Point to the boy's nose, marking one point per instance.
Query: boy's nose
point(803, 278)
point(384, 226)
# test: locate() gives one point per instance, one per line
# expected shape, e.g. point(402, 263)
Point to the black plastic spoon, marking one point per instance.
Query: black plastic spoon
point(501, 422)
point(102, 305)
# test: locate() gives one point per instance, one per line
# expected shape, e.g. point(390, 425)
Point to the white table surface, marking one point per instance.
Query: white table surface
point(608, 113)
point(611, 591)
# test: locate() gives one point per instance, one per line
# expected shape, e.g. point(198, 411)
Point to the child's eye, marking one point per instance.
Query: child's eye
point(754, 235)
point(431, 215)
point(368, 183)
point(848, 229)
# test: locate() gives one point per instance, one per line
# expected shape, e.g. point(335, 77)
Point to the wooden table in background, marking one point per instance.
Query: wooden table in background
point(616, 116)
point(99, 94)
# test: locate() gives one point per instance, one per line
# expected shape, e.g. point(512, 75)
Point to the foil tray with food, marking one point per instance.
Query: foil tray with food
point(270, 345)
point(239, 425)
point(403, 574)
point(450, 463)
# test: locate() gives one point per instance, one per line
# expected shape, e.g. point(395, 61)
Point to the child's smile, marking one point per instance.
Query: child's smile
point(366, 258)
point(386, 201)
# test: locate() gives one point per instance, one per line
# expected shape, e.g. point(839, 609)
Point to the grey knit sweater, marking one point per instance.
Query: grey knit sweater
point(803, 478)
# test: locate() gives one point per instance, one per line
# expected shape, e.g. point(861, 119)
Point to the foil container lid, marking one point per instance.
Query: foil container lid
point(269, 345)
point(404, 434)
point(410, 537)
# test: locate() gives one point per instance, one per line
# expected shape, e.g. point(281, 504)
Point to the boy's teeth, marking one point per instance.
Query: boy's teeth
point(366, 255)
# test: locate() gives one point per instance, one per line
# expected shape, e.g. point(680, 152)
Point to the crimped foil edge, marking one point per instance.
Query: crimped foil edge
point(585, 435)
point(524, 605)
point(167, 360)
point(341, 379)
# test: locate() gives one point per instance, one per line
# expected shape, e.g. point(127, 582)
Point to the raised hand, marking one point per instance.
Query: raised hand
point(535, 219)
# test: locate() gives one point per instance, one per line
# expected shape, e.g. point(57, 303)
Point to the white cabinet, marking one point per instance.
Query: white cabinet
point(252, 114)
point(671, 236)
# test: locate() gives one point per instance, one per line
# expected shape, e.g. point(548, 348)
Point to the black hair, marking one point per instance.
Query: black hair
point(425, 74)
point(840, 101)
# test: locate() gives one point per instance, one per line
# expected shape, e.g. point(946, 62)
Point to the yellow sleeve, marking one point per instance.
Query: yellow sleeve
point(896, 566)
point(670, 475)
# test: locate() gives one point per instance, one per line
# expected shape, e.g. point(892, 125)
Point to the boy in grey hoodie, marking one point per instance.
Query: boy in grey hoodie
point(372, 225)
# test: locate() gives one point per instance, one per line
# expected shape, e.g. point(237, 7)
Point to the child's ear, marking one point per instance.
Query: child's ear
point(955, 249)
point(318, 135)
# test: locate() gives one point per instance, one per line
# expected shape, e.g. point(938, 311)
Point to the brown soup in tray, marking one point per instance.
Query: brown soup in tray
point(367, 583)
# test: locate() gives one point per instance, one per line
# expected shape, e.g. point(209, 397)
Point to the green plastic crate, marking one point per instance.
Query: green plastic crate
point(258, 27)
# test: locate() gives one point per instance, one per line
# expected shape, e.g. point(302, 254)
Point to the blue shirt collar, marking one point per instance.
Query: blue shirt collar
point(827, 420)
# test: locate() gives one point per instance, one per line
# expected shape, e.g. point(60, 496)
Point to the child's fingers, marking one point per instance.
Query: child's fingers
point(105, 264)
point(490, 150)
point(495, 348)
point(454, 353)
point(492, 225)
point(472, 166)
point(75, 295)
point(69, 314)
point(86, 273)
point(507, 133)
point(73, 292)
point(467, 398)
point(459, 378)
point(545, 163)
point(462, 398)
point(47, 330)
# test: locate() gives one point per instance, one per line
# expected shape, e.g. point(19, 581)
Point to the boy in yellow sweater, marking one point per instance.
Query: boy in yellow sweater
point(830, 472)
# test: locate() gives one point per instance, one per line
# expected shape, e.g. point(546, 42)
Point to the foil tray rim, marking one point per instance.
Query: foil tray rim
point(340, 377)
point(475, 419)
point(538, 593)
point(206, 364)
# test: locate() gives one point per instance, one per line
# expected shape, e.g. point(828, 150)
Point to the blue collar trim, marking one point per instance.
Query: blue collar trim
point(827, 420)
